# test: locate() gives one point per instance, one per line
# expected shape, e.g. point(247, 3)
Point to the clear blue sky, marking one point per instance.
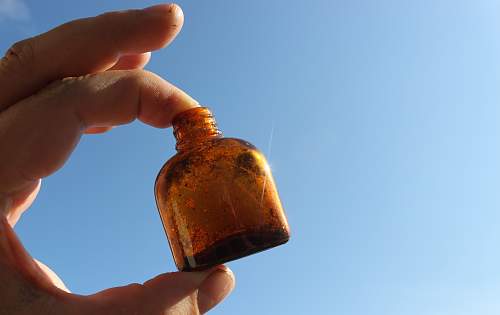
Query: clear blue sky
point(385, 151)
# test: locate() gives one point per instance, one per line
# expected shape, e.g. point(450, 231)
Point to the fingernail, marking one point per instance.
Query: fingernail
point(170, 8)
point(215, 288)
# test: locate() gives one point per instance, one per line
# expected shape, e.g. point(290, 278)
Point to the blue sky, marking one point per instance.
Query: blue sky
point(384, 121)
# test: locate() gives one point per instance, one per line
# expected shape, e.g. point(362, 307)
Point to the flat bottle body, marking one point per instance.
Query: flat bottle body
point(218, 202)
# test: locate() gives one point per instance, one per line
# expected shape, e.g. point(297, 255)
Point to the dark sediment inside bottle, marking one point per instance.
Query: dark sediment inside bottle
point(234, 247)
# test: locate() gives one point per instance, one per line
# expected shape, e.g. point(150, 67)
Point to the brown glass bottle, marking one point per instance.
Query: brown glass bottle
point(216, 197)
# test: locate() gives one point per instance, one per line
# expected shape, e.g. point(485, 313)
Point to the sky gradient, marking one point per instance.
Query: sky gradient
point(380, 120)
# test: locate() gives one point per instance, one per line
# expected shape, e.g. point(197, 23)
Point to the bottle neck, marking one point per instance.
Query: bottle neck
point(194, 127)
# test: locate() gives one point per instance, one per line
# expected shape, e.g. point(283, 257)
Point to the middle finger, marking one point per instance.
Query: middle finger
point(84, 46)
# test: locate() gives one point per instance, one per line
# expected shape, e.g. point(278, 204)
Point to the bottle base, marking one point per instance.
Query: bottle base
point(235, 247)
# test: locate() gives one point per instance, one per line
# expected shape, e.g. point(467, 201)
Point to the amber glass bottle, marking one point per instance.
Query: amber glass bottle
point(216, 197)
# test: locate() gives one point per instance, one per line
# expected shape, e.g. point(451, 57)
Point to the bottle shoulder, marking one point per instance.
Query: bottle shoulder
point(234, 143)
point(231, 152)
point(216, 147)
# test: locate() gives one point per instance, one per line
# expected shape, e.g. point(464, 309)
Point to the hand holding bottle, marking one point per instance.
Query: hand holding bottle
point(85, 77)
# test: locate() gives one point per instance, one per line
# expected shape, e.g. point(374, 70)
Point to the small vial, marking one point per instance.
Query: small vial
point(216, 197)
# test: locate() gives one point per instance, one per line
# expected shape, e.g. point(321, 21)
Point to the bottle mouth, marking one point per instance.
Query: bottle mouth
point(194, 126)
point(191, 114)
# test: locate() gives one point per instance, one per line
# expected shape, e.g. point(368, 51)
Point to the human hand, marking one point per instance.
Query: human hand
point(85, 77)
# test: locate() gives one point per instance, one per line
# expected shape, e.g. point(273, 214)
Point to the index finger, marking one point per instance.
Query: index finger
point(38, 134)
point(84, 46)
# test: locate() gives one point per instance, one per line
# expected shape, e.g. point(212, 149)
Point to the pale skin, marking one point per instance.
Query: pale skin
point(85, 77)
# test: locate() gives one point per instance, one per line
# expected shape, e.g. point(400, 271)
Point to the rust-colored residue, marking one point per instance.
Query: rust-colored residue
point(216, 196)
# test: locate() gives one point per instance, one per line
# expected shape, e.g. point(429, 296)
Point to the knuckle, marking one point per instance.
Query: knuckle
point(57, 87)
point(132, 81)
point(56, 92)
point(79, 82)
point(20, 55)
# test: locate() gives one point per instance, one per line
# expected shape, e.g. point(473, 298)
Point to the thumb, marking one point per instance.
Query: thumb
point(170, 293)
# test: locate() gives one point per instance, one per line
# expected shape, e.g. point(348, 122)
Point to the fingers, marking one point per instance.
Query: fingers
point(29, 287)
point(171, 293)
point(38, 134)
point(84, 46)
point(33, 287)
point(127, 62)
point(135, 61)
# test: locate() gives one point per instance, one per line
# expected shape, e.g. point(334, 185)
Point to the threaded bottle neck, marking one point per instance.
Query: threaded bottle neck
point(194, 126)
